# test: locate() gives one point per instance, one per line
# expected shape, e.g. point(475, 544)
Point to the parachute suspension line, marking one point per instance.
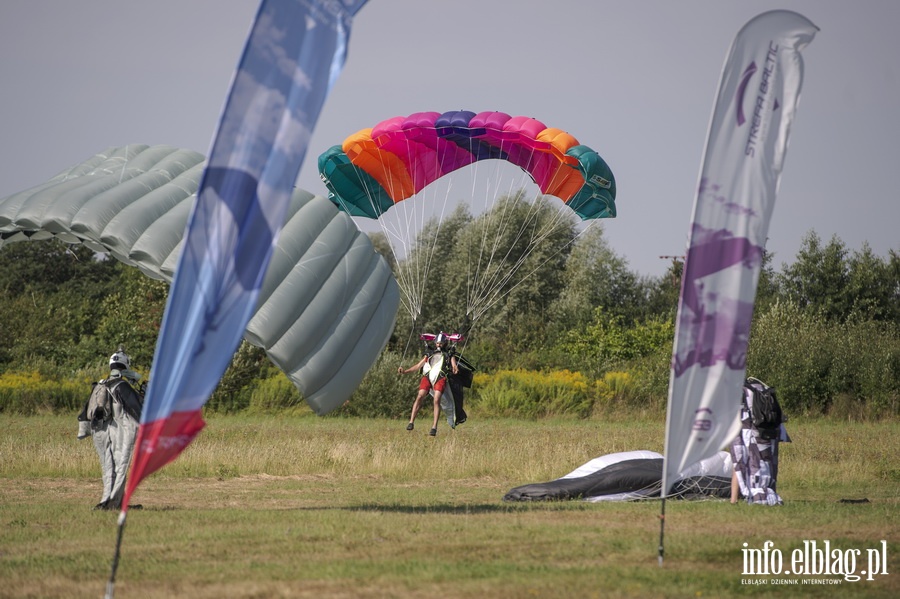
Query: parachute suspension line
point(409, 338)
point(502, 277)
point(394, 234)
point(492, 227)
point(423, 251)
point(124, 164)
point(390, 234)
point(488, 288)
point(473, 282)
point(499, 296)
point(508, 236)
point(399, 227)
point(407, 277)
point(496, 278)
point(495, 226)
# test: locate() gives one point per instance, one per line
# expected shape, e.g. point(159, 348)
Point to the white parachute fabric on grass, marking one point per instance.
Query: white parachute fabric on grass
point(328, 303)
point(610, 459)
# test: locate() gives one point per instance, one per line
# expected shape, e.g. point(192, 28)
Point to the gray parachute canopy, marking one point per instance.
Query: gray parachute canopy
point(328, 303)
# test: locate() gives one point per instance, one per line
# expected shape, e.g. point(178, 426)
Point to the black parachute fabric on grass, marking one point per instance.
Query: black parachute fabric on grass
point(630, 476)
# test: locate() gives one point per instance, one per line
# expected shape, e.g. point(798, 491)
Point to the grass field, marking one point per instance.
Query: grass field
point(299, 506)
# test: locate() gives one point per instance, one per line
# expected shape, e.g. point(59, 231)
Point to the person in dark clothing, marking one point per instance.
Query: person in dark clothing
point(755, 459)
point(111, 417)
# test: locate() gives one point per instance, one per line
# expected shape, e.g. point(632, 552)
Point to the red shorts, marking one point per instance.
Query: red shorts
point(425, 384)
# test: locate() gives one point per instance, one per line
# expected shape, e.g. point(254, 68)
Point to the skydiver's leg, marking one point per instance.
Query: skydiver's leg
point(437, 411)
point(415, 409)
point(735, 486)
point(100, 437)
point(774, 465)
point(741, 459)
point(123, 436)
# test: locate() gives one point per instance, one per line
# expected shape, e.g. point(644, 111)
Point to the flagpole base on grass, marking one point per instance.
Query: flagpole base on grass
point(111, 583)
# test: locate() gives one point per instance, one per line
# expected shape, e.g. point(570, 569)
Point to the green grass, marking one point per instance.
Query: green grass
point(299, 506)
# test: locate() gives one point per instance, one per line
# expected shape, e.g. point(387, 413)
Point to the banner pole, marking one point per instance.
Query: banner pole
point(662, 527)
point(111, 583)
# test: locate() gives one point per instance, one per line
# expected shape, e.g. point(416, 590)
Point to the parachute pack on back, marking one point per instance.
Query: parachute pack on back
point(765, 411)
point(100, 403)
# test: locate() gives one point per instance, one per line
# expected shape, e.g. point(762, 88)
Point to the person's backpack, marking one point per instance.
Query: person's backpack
point(99, 406)
point(765, 411)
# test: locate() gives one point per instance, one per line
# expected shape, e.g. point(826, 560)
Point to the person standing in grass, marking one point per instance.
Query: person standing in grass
point(754, 453)
point(437, 364)
point(111, 417)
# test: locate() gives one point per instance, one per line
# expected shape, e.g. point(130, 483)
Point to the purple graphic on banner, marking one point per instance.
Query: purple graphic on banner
point(719, 325)
point(742, 90)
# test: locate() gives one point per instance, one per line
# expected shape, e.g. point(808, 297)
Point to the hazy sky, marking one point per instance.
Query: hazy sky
point(633, 79)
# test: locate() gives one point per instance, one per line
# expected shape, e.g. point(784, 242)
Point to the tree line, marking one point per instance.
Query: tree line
point(826, 327)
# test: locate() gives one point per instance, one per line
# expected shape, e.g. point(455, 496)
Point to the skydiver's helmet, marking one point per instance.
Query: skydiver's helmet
point(119, 360)
point(441, 340)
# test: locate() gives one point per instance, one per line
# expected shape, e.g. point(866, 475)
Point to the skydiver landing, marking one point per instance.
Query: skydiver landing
point(436, 364)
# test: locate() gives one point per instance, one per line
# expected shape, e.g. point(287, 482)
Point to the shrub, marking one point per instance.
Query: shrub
point(814, 362)
point(789, 350)
point(235, 390)
point(382, 393)
point(866, 364)
point(274, 394)
point(533, 395)
point(30, 393)
point(608, 344)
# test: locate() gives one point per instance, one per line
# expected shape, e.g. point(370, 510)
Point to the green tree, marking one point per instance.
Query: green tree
point(607, 344)
point(893, 268)
point(48, 266)
point(818, 280)
point(871, 286)
point(132, 316)
point(839, 284)
point(51, 296)
point(248, 367)
point(495, 274)
point(660, 294)
point(428, 296)
point(596, 277)
point(767, 290)
point(383, 246)
point(507, 267)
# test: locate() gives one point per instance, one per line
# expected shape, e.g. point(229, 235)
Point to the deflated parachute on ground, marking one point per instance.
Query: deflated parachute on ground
point(328, 303)
point(629, 476)
point(378, 167)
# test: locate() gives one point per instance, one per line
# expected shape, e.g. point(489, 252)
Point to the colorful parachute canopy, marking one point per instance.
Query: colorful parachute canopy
point(375, 168)
point(328, 303)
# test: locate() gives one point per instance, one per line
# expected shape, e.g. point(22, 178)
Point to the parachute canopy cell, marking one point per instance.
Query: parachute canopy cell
point(375, 168)
point(328, 302)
